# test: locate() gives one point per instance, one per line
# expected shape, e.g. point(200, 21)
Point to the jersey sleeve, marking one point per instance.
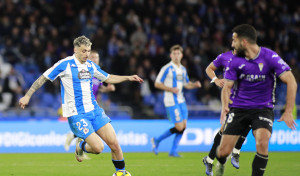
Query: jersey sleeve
point(279, 65)
point(218, 61)
point(230, 71)
point(162, 74)
point(58, 69)
point(99, 73)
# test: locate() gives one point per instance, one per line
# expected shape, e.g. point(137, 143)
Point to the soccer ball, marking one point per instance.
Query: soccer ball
point(121, 173)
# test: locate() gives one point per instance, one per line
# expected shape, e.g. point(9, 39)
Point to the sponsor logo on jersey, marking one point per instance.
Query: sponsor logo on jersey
point(84, 74)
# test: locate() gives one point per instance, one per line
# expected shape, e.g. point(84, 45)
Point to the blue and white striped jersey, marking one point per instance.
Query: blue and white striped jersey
point(173, 76)
point(76, 84)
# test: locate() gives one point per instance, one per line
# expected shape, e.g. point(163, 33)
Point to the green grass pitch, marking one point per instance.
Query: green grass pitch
point(138, 164)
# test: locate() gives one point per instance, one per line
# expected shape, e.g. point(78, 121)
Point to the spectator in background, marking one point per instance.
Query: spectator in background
point(13, 84)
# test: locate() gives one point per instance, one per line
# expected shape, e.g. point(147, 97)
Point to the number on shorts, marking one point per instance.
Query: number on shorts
point(79, 124)
point(230, 117)
point(177, 115)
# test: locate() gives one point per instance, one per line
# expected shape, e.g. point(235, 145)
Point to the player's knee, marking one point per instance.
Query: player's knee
point(262, 144)
point(179, 129)
point(98, 149)
point(223, 152)
point(114, 146)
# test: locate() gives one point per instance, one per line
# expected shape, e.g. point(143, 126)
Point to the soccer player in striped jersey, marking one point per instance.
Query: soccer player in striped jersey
point(221, 62)
point(86, 119)
point(249, 92)
point(172, 78)
point(97, 87)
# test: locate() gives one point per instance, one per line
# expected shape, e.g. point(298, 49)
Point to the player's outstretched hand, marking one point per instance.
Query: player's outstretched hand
point(288, 119)
point(111, 87)
point(197, 84)
point(220, 82)
point(24, 101)
point(136, 78)
point(174, 90)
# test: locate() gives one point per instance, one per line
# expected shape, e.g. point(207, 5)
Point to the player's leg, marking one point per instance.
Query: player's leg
point(208, 160)
point(107, 133)
point(92, 144)
point(236, 151)
point(81, 126)
point(223, 151)
point(262, 125)
point(171, 115)
point(235, 124)
point(180, 125)
point(260, 161)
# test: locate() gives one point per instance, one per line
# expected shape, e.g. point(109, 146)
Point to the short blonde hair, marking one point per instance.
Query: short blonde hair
point(82, 40)
point(176, 47)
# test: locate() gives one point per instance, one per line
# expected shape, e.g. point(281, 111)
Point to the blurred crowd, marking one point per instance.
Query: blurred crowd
point(134, 37)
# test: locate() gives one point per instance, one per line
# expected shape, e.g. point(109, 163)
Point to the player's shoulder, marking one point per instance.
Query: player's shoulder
point(268, 53)
point(236, 61)
point(91, 63)
point(165, 67)
point(225, 55)
point(64, 62)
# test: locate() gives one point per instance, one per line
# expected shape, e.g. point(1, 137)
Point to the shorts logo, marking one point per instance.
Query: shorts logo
point(85, 130)
point(266, 119)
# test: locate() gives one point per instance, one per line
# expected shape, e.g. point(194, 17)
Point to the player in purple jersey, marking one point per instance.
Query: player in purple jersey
point(221, 62)
point(97, 87)
point(252, 76)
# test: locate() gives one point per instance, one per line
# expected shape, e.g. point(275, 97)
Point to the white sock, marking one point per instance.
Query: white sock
point(236, 151)
point(209, 160)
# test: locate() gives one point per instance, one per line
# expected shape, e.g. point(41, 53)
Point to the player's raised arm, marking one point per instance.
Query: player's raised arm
point(210, 71)
point(287, 116)
point(35, 86)
point(114, 79)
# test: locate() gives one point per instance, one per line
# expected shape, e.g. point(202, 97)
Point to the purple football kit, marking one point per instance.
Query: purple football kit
point(252, 97)
point(96, 84)
point(255, 79)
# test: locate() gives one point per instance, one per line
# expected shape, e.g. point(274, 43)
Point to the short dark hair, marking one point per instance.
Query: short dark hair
point(246, 31)
point(176, 47)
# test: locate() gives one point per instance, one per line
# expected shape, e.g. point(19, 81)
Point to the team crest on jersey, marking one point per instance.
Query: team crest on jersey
point(85, 130)
point(260, 65)
point(84, 74)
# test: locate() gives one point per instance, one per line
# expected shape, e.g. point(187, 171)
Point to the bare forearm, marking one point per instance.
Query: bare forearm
point(162, 87)
point(114, 79)
point(291, 96)
point(225, 94)
point(210, 73)
point(36, 85)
